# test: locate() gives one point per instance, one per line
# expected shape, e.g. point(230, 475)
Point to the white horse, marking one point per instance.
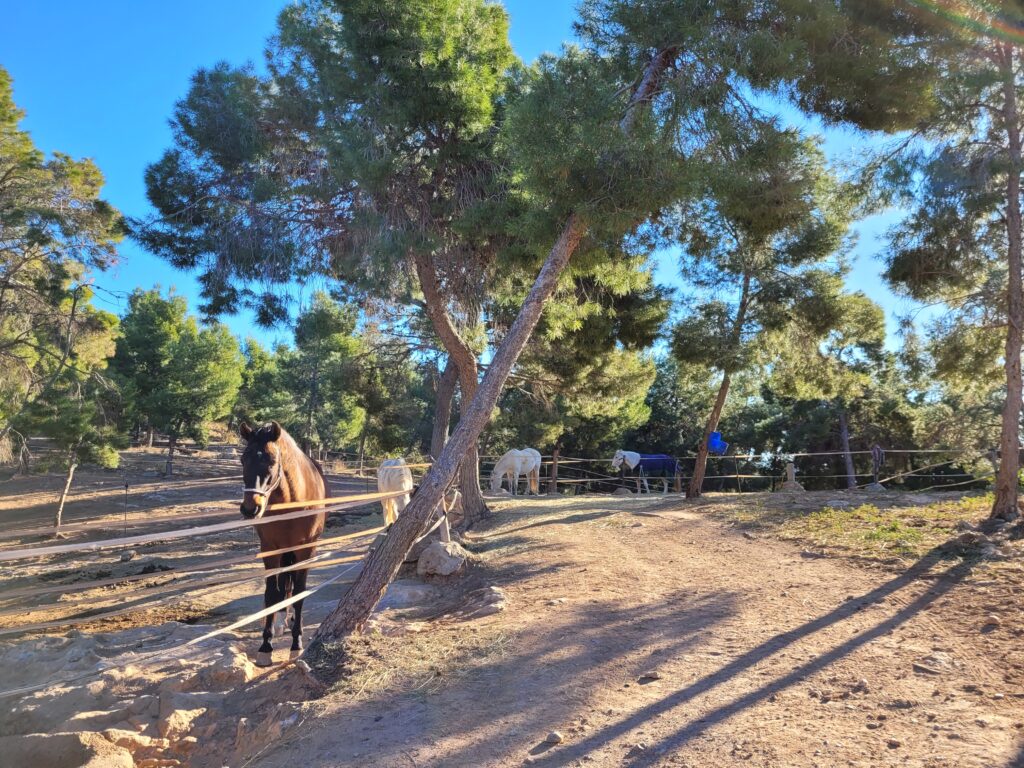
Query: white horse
point(394, 475)
point(513, 464)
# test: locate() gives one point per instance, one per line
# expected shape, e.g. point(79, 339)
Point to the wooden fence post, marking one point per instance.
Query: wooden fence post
point(553, 485)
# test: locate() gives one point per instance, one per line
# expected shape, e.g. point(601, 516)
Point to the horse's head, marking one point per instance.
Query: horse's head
point(262, 466)
point(496, 477)
point(618, 458)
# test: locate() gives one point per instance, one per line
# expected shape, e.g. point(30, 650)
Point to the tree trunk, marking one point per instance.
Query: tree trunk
point(553, 487)
point(362, 448)
point(736, 336)
point(446, 383)
point(383, 563)
point(169, 464)
point(700, 466)
point(473, 504)
point(464, 358)
point(844, 439)
point(149, 437)
point(1005, 505)
point(72, 465)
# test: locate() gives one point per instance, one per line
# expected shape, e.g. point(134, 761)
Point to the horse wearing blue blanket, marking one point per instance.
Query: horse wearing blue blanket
point(647, 465)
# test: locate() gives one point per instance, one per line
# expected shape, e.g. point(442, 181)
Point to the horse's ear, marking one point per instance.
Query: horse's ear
point(274, 430)
point(245, 431)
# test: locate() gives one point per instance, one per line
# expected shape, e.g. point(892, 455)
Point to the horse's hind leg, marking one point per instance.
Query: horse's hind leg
point(284, 591)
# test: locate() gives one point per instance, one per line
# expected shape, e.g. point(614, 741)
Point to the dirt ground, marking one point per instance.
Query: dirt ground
point(750, 630)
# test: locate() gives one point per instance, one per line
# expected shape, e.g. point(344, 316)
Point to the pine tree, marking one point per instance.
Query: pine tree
point(54, 227)
point(839, 368)
point(960, 174)
point(755, 246)
point(320, 373)
point(178, 376)
point(76, 411)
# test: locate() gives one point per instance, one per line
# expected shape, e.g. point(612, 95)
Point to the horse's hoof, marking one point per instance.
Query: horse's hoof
point(264, 659)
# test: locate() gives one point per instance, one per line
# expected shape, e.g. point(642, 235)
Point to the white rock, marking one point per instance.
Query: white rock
point(441, 559)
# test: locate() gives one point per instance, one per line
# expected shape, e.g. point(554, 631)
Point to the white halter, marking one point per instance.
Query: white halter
point(263, 489)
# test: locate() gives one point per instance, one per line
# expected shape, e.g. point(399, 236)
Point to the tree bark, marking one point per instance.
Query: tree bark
point(446, 384)
point(464, 358)
point(169, 464)
point(700, 466)
point(844, 439)
point(693, 490)
point(72, 465)
point(362, 449)
point(473, 503)
point(1005, 505)
point(553, 487)
point(383, 563)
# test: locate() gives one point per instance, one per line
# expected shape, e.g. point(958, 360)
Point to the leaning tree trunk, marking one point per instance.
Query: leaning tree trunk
point(72, 465)
point(464, 358)
point(383, 562)
point(844, 439)
point(1005, 505)
point(446, 384)
point(735, 336)
point(693, 490)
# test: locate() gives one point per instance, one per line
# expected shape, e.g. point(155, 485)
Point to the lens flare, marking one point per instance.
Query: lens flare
point(980, 18)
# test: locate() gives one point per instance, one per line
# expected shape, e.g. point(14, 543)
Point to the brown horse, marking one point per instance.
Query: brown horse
point(275, 470)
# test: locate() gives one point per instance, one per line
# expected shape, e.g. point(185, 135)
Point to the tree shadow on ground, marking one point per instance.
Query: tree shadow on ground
point(566, 662)
point(943, 582)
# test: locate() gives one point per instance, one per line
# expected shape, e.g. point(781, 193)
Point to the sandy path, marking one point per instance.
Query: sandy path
point(766, 657)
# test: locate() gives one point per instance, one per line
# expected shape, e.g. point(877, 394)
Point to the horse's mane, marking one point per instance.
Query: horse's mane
point(298, 456)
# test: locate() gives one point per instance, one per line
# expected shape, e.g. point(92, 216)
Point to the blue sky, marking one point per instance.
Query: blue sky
point(105, 82)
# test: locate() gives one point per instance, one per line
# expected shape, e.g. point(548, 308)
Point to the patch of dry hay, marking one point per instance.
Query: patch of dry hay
point(418, 662)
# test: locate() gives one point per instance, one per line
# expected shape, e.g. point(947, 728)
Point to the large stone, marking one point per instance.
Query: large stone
point(441, 533)
point(407, 593)
point(442, 559)
point(621, 491)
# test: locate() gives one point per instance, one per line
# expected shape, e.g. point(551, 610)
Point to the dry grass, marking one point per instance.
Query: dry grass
point(880, 529)
point(418, 662)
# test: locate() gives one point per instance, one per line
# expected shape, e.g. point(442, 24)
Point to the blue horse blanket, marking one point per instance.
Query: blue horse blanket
point(657, 465)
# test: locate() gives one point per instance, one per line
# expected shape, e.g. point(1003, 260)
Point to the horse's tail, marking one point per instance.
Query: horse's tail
point(323, 477)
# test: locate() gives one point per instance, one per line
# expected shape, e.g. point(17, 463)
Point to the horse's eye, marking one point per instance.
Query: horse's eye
point(259, 454)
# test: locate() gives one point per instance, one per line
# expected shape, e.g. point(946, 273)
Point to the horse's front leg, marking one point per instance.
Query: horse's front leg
point(271, 595)
point(298, 587)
